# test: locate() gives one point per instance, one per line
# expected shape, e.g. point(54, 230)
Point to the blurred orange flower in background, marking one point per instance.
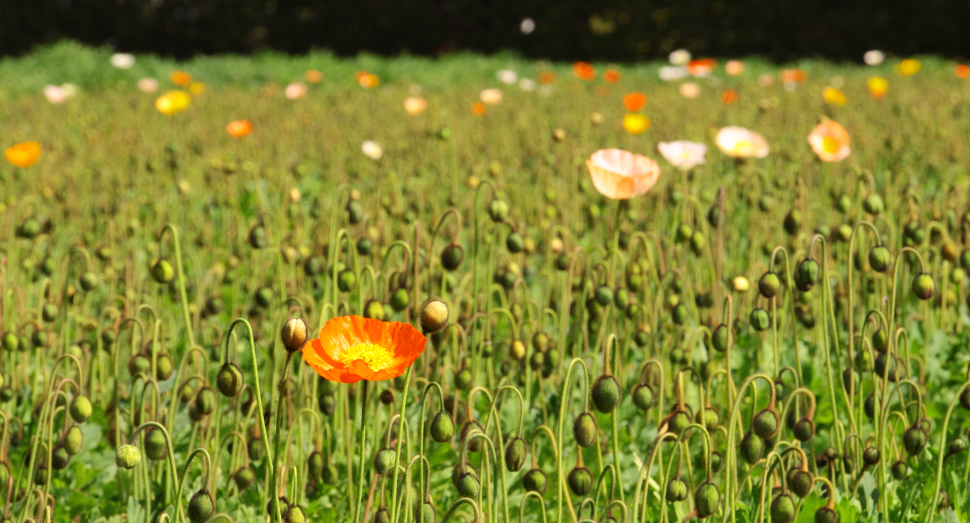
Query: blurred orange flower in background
point(620, 175)
point(415, 105)
point(793, 76)
point(367, 80)
point(729, 96)
point(962, 71)
point(314, 77)
point(23, 154)
point(701, 66)
point(351, 348)
point(634, 101)
point(180, 78)
point(478, 108)
point(877, 87)
point(240, 128)
point(584, 71)
point(830, 141)
point(547, 77)
point(611, 76)
point(734, 67)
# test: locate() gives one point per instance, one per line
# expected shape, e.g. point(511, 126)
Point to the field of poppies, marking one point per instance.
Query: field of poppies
point(483, 289)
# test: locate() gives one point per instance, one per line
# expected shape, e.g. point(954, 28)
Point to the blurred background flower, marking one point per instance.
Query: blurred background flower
point(372, 150)
point(123, 60)
point(738, 142)
point(620, 175)
point(830, 141)
point(683, 154)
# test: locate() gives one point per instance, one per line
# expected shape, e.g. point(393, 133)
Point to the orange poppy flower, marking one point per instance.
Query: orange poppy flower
point(793, 76)
point(240, 128)
point(962, 71)
point(24, 154)
point(584, 71)
point(181, 78)
point(367, 80)
point(314, 77)
point(547, 77)
point(635, 101)
point(729, 96)
point(611, 76)
point(701, 66)
point(830, 141)
point(478, 108)
point(734, 67)
point(351, 348)
point(877, 87)
point(620, 174)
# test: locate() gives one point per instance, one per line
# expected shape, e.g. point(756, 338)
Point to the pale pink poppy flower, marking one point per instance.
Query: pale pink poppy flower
point(55, 94)
point(295, 90)
point(683, 154)
point(738, 142)
point(620, 175)
point(830, 141)
point(148, 85)
point(689, 90)
point(491, 96)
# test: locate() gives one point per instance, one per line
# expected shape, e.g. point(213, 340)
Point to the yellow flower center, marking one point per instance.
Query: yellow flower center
point(830, 145)
point(375, 356)
point(743, 146)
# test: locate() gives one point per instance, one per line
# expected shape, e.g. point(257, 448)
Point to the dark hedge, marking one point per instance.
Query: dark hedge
point(611, 30)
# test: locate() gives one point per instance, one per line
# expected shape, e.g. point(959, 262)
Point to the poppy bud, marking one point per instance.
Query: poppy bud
point(264, 297)
point(365, 246)
point(244, 477)
point(873, 204)
point(127, 456)
point(801, 483)
point(676, 490)
point(294, 514)
point(442, 427)
point(752, 448)
point(498, 210)
point(88, 281)
point(719, 338)
point(425, 513)
point(679, 314)
point(81, 408)
point(914, 440)
point(843, 203)
point(314, 464)
point(201, 507)
point(759, 319)
point(679, 422)
point(205, 401)
point(580, 480)
point(535, 480)
point(606, 393)
point(329, 473)
point(374, 310)
point(384, 460)
point(698, 242)
point(792, 222)
point(156, 448)
point(257, 237)
point(355, 211)
point(957, 446)
point(585, 429)
point(880, 366)
point(515, 452)
point(765, 424)
point(804, 429)
point(469, 429)
point(452, 256)
point(468, 485)
point(229, 380)
point(643, 396)
point(965, 399)
point(463, 378)
point(382, 516)
point(709, 418)
point(73, 440)
point(923, 286)
point(399, 299)
point(294, 334)
point(138, 364)
point(683, 233)
point(707, 498)
point(806, 274)
point(870, 456)
point(346, 280)
point(782, 509)
point(434, 316)
point(900, 470)
point(826, 515)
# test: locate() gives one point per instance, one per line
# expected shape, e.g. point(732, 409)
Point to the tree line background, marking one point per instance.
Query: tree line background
point(602, 30)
